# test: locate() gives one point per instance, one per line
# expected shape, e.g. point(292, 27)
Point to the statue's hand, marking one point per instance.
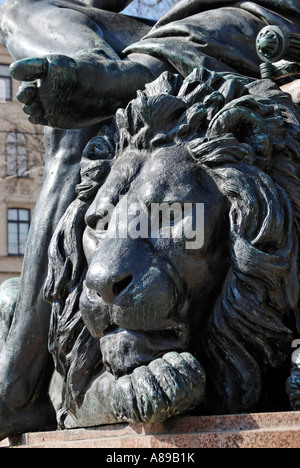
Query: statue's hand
point(166, 387)
point(62, 92)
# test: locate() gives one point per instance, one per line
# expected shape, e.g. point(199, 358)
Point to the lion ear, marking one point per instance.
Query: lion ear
point(250, 122)
point(246, 126)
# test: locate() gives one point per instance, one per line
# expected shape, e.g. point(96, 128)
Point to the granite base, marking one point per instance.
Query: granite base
point(257, 430)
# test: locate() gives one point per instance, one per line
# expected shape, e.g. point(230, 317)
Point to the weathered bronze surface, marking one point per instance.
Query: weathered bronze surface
point(137, 113)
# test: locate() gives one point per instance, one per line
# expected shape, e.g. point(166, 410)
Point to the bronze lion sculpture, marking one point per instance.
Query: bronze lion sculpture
point(144, 328)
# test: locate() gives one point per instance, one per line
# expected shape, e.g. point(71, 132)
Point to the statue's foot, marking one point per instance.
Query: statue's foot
point(38, 416)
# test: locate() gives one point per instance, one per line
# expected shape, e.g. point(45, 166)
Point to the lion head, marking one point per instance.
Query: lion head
point(224, 314)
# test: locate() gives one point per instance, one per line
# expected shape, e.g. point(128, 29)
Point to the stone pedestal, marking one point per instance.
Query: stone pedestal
point(259, 430)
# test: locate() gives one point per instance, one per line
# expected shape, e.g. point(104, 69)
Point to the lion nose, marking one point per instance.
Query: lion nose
point(121, 285)
point(109, 287)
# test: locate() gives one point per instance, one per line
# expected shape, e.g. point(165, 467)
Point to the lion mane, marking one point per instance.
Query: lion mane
point(245, 134)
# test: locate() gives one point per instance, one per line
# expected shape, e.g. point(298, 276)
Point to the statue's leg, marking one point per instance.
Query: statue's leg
point(64, 27)
point(47, 29)
point(24, 359)
point(40, 415)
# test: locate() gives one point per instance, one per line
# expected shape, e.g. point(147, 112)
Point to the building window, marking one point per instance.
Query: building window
point(18, 222)
point(5, 84)
point(16, 155)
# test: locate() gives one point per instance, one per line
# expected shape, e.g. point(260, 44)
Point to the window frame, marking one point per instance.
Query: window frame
point(17, 155)
point(18, 222)
point(5, 79)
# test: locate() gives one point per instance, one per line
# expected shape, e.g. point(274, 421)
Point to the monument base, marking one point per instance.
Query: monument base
point(256, 430)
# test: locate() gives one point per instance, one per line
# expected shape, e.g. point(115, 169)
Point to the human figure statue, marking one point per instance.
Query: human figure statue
point(79, 62)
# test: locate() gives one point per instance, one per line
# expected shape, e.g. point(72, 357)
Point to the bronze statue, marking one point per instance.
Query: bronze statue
point(74, 84)
point(206, 139)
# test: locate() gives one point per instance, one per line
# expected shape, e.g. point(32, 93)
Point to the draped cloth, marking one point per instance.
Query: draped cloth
point(218, 35)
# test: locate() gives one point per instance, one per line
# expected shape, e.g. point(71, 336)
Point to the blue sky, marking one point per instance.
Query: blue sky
point(131, 8)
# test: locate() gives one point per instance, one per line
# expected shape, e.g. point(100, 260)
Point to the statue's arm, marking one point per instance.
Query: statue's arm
point(66, 93)
point(86, 81)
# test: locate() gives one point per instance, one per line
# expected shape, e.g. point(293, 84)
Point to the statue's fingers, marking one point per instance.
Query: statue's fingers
point(29, 69)
point(36, 113)
point(34, 109)
point(27, 93)
point(38, 120)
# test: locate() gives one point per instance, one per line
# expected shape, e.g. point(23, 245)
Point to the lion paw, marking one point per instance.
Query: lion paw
point(166, 387)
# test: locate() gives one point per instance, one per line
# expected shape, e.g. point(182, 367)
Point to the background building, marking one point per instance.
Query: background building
point(21, 172)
